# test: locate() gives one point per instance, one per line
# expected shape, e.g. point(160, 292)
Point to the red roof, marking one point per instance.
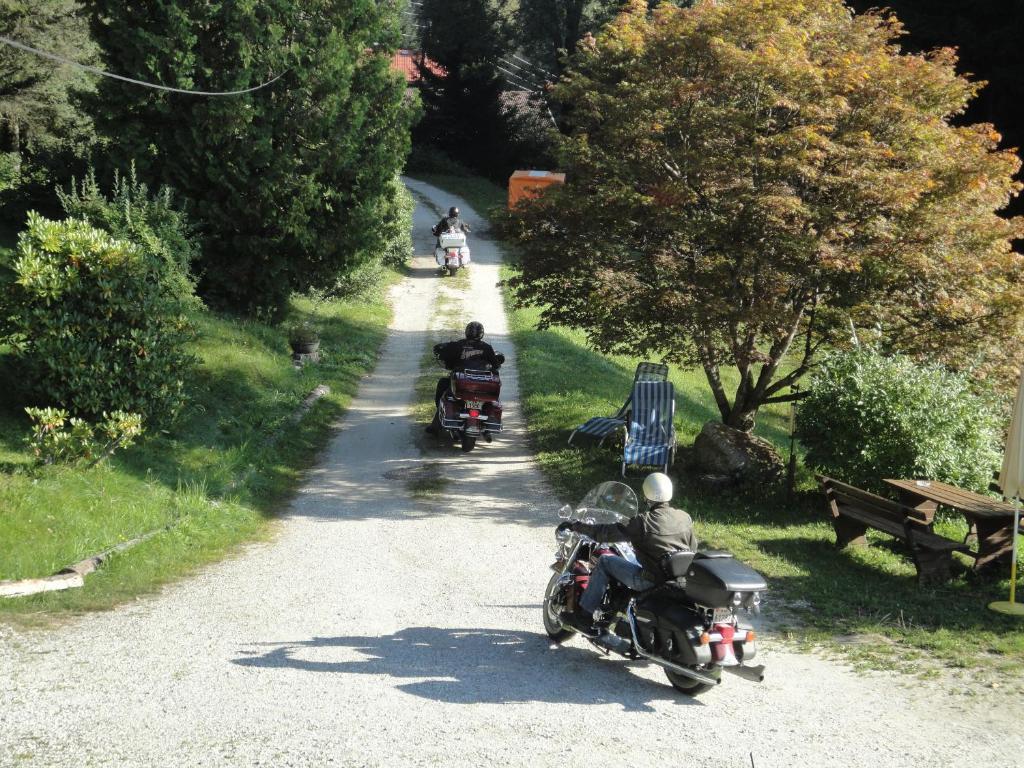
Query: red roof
point(407, 62)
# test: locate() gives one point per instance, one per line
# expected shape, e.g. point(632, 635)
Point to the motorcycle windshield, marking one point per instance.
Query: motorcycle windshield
point(609, 502)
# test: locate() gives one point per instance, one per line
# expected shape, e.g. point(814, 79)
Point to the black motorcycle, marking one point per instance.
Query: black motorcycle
point(689, 624)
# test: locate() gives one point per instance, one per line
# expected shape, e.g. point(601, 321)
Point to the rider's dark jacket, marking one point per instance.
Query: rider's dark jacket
point(658, 530)
point(451, 223)
point(468, 354)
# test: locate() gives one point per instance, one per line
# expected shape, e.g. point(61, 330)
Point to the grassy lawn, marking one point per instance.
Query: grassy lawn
point(213, 475)
point(868, 599)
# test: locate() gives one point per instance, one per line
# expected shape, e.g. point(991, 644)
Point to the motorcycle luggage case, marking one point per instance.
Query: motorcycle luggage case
point(669, 628)
point(711, 582)
point(476, 385)
point(452, 240)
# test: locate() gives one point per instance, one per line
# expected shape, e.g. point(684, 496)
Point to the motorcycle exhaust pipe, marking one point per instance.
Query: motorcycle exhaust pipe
point(664, 662)
point(754, 674)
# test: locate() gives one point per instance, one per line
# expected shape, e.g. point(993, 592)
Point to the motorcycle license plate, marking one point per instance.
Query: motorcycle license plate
point(722, 615)
point(476, 405)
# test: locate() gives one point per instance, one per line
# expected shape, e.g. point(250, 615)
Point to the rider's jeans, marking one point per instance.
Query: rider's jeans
point(614, 567)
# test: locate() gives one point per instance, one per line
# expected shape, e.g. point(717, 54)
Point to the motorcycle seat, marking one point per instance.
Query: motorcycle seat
point(712, 554)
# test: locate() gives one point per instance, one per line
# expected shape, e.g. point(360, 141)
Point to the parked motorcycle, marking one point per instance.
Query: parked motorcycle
point(689, 624)
point(451, 251)
point(470, 409)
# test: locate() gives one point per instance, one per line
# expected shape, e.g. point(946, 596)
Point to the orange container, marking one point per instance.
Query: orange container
point(526, 184)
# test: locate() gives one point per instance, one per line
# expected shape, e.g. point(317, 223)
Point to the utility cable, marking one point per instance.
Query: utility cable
point(156, 86)
point(512, 79)
point(529, 74)
point(526, 61)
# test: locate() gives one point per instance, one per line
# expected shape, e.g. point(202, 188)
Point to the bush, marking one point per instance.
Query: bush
point(868, 417)
point(396, 224)
point(153, 224)
point(95, 323)
point(58, 438)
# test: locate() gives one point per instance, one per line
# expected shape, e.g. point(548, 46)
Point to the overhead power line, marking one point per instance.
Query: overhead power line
point(529, 74)
point(527, 61)
point(512, 79)
point(97, 71)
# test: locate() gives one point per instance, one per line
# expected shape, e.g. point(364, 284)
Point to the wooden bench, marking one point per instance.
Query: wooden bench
point(854, 511)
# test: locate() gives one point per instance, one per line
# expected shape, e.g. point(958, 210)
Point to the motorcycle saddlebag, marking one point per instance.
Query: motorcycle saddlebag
point(476, 385)
point(439, 256)
point(492, 416)
point(668, 628)
point(711, 581)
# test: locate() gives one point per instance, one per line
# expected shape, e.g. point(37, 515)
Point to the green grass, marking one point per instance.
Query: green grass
point(816, 594)
point(212, 474)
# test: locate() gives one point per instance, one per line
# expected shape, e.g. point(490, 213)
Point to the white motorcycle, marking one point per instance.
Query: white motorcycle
point(451, 252)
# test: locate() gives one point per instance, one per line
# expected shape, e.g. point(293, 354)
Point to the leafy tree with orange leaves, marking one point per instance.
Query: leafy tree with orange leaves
point(749, 178)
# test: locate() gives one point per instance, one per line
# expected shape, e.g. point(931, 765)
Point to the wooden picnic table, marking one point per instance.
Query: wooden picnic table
point(990, 520)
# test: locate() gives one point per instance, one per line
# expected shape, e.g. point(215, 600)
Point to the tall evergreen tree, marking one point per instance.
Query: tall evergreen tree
point(548, 30)
point(462, 107)
point(42, 132)
point(283, 180)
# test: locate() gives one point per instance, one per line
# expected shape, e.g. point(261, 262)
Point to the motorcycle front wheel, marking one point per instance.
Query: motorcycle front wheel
point(692, 687)
point(552, 625)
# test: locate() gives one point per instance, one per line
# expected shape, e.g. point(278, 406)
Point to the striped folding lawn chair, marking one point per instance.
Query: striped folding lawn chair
point(651, 436)
point(600, 427)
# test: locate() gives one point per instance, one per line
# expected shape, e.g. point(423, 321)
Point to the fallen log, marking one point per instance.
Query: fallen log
point(35, 586)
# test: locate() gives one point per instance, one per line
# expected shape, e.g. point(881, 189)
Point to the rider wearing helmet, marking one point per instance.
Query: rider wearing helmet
point(450, 223)
point(470, 353)
point(654, 532)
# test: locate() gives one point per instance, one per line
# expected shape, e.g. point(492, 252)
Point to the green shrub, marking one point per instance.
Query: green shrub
point(94, 322)
point(58, 438)
point(869, 417)
point(396, 224)
point(152, 223)
point(362, 281)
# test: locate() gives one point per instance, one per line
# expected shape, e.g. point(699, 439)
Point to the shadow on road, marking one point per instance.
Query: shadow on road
point(469, 666)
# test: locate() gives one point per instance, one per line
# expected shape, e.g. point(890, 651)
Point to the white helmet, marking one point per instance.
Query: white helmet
point(657, 488)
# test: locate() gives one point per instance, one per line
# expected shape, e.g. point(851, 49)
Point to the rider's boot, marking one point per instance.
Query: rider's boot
point(580, 622)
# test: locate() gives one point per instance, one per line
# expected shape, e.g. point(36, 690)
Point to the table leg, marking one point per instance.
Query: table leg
point(926, 506)
point(995, 542)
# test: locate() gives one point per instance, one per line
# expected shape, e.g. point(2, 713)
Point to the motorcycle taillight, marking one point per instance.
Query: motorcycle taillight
point(474, 414)
point(722, 652)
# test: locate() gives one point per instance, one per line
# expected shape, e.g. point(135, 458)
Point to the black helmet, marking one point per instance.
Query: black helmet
point(474, 331)
point(453, 211)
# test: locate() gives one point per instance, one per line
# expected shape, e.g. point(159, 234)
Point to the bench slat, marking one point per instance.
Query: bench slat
point(886, 516)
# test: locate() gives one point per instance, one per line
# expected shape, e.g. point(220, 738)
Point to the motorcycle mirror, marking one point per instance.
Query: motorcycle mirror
point(565, 512)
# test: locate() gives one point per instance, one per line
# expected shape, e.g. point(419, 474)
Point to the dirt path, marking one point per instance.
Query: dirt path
point(383, 628)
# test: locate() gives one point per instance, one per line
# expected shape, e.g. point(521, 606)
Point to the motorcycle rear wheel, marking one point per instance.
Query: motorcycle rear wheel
point(552, 625)
point(468, 443)
point(452, 271)
point(692, 687)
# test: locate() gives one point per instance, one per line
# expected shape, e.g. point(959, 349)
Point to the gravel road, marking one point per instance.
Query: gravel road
point(383, 628)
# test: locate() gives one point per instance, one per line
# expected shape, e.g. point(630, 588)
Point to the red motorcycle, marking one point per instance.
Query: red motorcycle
point(470, 409)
